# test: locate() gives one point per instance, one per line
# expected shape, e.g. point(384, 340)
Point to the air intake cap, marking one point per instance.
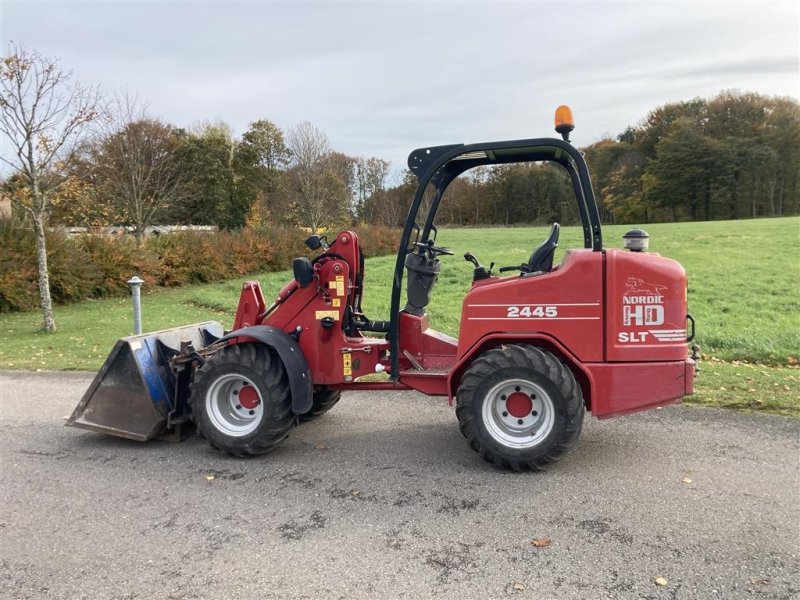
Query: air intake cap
point(636, 240)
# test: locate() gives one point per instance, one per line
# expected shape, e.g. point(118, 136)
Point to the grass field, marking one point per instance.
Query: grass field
point(744, 291)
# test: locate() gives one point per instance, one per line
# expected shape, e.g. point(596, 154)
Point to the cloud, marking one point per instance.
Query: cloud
point(383, 78)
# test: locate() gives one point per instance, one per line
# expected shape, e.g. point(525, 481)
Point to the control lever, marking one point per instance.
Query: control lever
point(480, 272)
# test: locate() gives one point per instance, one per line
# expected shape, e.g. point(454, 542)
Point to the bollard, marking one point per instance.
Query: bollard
point(135, 284)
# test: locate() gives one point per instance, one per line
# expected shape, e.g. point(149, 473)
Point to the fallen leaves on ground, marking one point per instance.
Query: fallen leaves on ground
point(541, 542)
point(662, 581)
point(518, 586)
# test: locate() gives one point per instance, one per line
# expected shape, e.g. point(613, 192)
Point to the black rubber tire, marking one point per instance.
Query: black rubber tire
point(323, 402)
point(520, 361)
point(261, 366)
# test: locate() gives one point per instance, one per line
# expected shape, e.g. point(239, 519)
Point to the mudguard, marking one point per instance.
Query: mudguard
point(293, 360)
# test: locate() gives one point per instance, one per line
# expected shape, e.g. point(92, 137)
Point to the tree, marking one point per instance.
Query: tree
point(782, 133)
point(206, 164)
point(622, 195)
point(735, 155)
point(263, 145)
point(391, 205)
point(137, 166)
point(690, 167)
point(344, 168)
point(318, 194)
point(260, 161)
point(43, 116)
point(617, 168)
point(660, 122)
point(370, 181)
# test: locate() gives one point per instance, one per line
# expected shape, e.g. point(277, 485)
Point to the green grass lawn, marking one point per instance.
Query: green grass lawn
point(744, 292)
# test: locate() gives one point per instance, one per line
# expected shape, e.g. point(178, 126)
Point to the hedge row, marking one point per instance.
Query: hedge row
point(98, 266)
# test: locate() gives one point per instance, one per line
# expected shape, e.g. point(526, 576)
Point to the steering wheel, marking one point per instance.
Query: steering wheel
point(437, 250)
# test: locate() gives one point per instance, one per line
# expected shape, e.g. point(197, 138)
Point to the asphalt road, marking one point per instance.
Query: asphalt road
point(382, 498)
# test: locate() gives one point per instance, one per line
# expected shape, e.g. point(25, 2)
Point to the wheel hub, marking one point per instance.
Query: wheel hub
point(518, 413)
point(519, 405)
point(248, 397)
point(234, 405)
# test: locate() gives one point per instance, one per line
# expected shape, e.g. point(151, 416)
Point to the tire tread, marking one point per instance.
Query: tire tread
point(516, 356)
point(278, 418)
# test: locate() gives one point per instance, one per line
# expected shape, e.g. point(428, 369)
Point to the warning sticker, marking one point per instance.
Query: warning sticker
point(347, 368)
point(336, 303)
point(337, 286)
point(321, 314)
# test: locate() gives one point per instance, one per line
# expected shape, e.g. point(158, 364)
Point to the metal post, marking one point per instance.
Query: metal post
point(135, 284)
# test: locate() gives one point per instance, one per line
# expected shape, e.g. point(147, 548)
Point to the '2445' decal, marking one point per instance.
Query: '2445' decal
point(516, 312)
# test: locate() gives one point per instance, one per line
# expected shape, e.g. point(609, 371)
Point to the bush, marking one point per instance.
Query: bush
point(72, 275)
point(378, 240)
point(18, 288)
point(117, 259)
point(98, 265)
point(188, 257)
point(265, 249)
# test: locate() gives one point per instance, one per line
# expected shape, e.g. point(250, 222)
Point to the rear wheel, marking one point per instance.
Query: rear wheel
point(520, 407)
point(240, 400)
point(323, 402)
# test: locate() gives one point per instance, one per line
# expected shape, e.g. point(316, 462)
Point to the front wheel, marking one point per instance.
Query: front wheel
point(241, 402)
point(520, 407)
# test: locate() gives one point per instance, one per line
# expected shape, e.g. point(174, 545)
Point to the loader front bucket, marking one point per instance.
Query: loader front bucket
point(135, 395)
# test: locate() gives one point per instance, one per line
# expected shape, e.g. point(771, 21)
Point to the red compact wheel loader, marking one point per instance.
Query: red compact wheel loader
point(539, 344)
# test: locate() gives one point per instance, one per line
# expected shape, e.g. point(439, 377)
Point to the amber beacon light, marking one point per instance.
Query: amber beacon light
point(564, 121)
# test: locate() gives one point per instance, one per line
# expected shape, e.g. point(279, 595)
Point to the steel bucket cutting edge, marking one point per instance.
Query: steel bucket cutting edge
point(134, 394)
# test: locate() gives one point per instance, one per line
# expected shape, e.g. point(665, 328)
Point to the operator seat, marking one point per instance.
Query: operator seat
point(541, 259)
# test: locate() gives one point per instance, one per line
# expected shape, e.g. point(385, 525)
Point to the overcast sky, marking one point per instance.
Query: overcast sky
point(384, 78)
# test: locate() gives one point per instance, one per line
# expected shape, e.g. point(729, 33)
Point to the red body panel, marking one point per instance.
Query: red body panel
point(646, 308)
point(616, 318)
point(251, 306)
point(566, 304)
point(333, 357)
point(622, 388)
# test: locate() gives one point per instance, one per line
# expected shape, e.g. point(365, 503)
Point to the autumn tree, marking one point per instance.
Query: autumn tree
point(264, 146)
point(137, 167)
point(42, 115)
point(622, 194)
point(660, 121)
point(261, 159)
point(782, 134)
point(205, 158)
point(370, 175)
point(390, 206)
point(688, 170)
point(617, 167)
point(318, 193)
point(343, 167)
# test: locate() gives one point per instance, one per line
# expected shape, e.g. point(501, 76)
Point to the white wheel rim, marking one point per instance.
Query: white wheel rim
point(514, 422)
point(226, 409)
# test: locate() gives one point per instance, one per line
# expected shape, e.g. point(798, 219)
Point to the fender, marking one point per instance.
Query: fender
point(292, 357)
point(582, 374)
